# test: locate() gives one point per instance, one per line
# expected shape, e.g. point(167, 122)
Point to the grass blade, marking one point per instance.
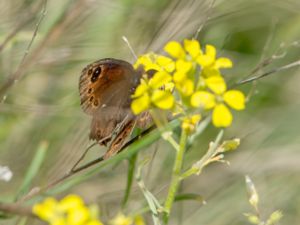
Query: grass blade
point(33, 168)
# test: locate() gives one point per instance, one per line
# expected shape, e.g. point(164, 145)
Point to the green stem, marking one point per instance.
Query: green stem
point(176, 176)
point(130, 175)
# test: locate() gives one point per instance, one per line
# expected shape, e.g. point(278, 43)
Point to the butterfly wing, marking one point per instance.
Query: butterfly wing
point(105, 89)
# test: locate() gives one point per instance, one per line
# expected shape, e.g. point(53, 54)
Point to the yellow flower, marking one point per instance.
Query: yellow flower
point(210, 64)
point(216, 84)
point(159, 79)
point(165, 63)
point(203, 99)
point(183, 66)
point(139, 220)
point(94, 222)
point(69, 211)
point(152, 93)
point(175, 50)
point(219, 102)
point(121, 219)
point(78, 215)
point(140, 104)
point(185, 87)
point(192, 47)
point(189, 51)
point(147, 61)
point(152, 61)
point(208, 91)
point(162, 99)
point(235, 99)
point(70, 202)
point(221, 116)
point(189, 123)
point(47, 210)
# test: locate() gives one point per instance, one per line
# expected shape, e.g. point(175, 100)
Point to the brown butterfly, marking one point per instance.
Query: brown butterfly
point(105, 88)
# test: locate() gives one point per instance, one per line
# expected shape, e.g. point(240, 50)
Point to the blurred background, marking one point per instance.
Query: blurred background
point(40, 100)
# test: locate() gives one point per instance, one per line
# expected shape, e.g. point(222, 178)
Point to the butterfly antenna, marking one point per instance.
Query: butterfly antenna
point(129, 46)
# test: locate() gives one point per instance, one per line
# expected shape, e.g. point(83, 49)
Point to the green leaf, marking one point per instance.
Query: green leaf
point(190, 196)
point(130, 175)
point(153, 203)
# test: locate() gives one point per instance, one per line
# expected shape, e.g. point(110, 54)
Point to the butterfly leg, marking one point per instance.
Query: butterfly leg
point(120, 139)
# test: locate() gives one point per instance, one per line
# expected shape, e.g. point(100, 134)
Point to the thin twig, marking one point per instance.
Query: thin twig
point(265, 61)
point(15, 76)
point(82, 156)
point(17, 209)
point(43, 14)
point(276, 70)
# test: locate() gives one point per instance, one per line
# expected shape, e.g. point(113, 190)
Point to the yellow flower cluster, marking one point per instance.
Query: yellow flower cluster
point(191, 79)
point(150, 91)
point(121, 219)
point(71, 210)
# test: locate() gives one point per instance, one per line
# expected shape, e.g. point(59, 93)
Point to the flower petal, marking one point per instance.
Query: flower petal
point(175, 49)
point(78, 215)
point(162, 99)
point(211, 51)
point(192, 47)
point(203, 99)
point(148, 62)
point(205, 60)
point(70, 201)
point(46, 209)
point(183, 66)
point(216, 84)
point(94, 222)
point(223, 63)
point(166, 63)
point(235, 99)
point(210, 71)
point(141, 89)
point(186, 87)
point(169, 86)
point(140, 104)
point(159, 79)
point(179, 76)
point(58, 221)
point(221, 116)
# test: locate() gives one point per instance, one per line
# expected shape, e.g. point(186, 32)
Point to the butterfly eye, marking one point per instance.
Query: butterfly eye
point(96, 74)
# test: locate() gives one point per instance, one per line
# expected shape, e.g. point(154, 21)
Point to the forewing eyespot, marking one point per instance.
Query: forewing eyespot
point(96, 74)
